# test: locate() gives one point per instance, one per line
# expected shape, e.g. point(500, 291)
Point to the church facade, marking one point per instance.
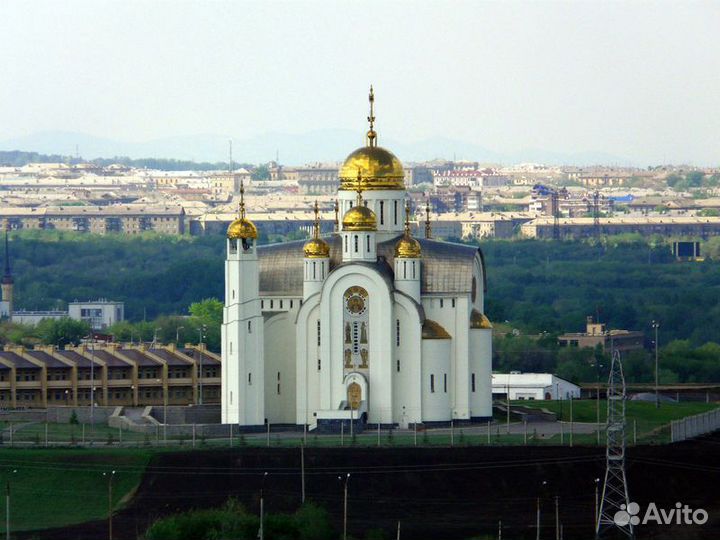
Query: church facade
point(368, 325)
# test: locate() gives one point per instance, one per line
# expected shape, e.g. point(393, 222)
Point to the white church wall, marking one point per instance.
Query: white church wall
point(407, 373)
point(307, 355)
point(435, 374)
point(280, 369)
point(481, 367)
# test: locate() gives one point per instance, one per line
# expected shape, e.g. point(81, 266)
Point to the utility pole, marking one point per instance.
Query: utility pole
point(656, 325)
point(110, 479)
point(537, 519)
point(597, 484)
point(7, 506)
point(557, 517)
point(261, 533)
point(615, 492)
point(302, 470)
point(347, 477)
point(508, 404)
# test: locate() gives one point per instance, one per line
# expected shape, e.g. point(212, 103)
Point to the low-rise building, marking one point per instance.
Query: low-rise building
point(596, 333)
point(98, 314)
point(532, 386)
point(111, 374)
point(669, 226)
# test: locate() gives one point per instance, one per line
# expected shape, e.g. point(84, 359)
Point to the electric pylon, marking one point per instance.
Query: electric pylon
point(615, 496)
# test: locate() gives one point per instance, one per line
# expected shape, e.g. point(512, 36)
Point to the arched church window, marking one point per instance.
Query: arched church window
point(233, 245)
point(404, 269)
point(472, 382)
point(249, 327)
point(346, 246)
point(246, 244)
point(313, 271)
point(432, 383)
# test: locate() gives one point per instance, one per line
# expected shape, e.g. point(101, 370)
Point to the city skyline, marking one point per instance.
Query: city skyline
point(621, 83)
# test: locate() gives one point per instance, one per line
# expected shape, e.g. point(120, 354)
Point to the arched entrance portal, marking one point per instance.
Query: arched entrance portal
point(354, 395)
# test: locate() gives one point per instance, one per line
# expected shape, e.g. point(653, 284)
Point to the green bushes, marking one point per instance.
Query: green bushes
point(233, 522)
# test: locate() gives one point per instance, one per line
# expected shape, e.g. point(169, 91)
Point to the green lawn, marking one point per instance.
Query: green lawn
point(57, 487)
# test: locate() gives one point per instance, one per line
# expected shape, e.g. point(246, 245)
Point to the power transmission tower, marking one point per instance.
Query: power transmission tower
point(555, 205)
point(596, 213)
point(615, 496)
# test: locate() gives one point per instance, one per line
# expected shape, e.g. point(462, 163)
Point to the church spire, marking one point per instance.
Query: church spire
point(371, 134)
point(241, 206)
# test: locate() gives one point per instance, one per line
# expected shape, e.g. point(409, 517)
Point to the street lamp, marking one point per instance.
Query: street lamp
point(261, 534)
point(202, 331)
point(155, 337)
point(656, 325)
point(597, 486)
point(109, 479)
point(165, 405)
point(347, 477)
point(177, 333)
point(7, 505)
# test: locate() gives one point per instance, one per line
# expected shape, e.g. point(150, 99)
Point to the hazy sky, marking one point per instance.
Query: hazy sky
point(638, 80)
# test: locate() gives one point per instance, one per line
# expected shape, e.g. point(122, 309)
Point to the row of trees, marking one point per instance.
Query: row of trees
point(679, 361)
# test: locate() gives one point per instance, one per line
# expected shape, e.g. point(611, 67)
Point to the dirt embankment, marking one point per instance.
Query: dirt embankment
point(437, 493)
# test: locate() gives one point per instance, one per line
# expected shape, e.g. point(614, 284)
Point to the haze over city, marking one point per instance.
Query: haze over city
point(623, 83)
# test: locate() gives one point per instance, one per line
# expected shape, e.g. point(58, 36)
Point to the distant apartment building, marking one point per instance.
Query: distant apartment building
point(111, 375)
point(596, 333)
point(225, 184)
point(127, 219)
point(481, 178)
point(673, 226)
point(315, 180)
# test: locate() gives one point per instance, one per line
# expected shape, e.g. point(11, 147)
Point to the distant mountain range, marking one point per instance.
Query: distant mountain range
point(296, 149)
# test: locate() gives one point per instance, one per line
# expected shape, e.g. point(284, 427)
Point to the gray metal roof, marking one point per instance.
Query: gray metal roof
point(446, 268)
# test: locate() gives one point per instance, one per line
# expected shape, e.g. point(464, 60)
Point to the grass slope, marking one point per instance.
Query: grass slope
point(53, 488)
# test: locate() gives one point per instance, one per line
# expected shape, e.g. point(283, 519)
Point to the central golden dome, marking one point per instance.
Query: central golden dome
point(359, 218)
point(380, 169)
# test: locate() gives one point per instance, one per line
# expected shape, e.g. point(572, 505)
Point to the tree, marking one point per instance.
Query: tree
point(207, 316)
point(262, 172)
point(62, 332)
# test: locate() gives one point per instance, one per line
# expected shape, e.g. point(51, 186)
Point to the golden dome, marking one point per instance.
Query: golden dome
point(407, 247)
point(316, 247)
point(242, 228)
point(479, 320)
point(380, 169)
point(359, 218)
point(433, 330)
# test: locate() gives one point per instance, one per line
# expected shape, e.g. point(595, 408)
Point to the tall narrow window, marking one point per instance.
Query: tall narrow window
point(382, 212)
point(472, 382)
point(453, 302)
point(318, 333)
point(249, 327)
point(413, 269)
point(404, 269)
point(356, 243)
point(432, 383)
point(445, 383)
point(397, 332)
point(395, 211)
point(398, 365)
point(346, 246)
point(441, 303)
point(319, 364)
point(313, 271)
point(250, 379)
point(367, 238)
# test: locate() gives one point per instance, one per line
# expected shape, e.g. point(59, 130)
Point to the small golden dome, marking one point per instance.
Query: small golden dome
point(316, 248)
point(408, 248)
point(479, 321)
point(359, 218)
point(242, 228)
point(379, 167)
point(433, 330)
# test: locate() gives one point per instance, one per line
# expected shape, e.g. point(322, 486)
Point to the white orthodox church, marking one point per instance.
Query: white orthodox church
point(369, 325)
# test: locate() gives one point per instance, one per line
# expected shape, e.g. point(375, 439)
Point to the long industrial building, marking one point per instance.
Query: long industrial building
point(674, 226)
